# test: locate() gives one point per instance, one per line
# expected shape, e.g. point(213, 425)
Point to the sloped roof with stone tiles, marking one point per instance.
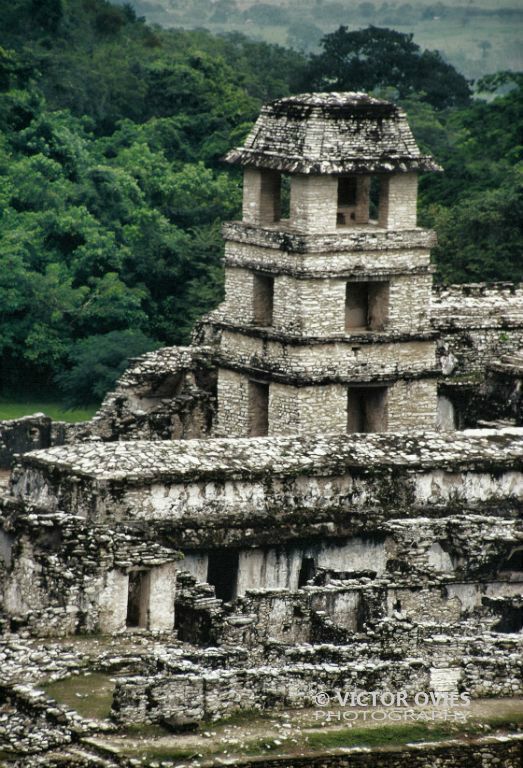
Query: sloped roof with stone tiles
point(332, 133)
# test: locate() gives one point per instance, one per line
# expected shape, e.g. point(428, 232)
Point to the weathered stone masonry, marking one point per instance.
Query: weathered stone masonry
point(229, 499)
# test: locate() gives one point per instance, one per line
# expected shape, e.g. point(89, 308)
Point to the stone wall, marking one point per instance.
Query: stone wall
point(478, 323)
point(21, 435)
point(365, 357)
point(164, 395)
point(398, 201)
point(316, 307)
point(506, 752)
point(60, 576)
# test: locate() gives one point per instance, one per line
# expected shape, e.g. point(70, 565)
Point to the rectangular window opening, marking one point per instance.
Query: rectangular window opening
point(270, 196)
point(347, 200)
point(366, 306)
point(367, 409)
point(258, 409)
point(222, 573)
point(263, 299)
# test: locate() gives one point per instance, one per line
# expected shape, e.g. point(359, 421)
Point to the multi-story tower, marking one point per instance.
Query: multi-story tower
point(325, 324)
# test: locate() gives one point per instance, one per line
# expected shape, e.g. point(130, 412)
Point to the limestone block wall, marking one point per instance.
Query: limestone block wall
point(261, 196)
point(316, 307)
point(411, 405)
point(279, 567)
point(211, 696)
point(21, 435)
point(168, 394)
point(321, 409)
point(346, 254)
point(478, 324)
point(63, 576)
point(307, 410)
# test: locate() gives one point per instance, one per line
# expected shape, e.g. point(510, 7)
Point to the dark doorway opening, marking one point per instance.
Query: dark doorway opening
point(137, 599)
point(222, 573)
point(307, 571)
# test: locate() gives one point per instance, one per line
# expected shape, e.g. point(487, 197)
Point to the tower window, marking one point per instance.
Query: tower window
point(263, 299)
point(366, 306)
point(353, 200)
point(258, 409)
point(347, 187)
point(367, 409)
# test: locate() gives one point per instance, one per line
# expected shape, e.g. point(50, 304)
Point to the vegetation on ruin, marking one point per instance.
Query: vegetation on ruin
point(112, 192)
point(91, 695)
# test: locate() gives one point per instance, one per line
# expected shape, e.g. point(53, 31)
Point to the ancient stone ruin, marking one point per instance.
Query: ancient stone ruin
point(323, 492)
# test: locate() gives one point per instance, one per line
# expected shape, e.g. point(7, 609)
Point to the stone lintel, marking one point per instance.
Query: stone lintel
point(282, 237)
point(303, 271)
point(270, 371)
point(302, 339)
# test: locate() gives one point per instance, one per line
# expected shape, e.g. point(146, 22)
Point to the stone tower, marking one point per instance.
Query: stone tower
point(325, 325)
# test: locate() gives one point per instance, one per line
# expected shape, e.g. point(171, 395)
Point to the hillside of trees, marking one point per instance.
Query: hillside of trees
point(112, 191)
point(476, 36)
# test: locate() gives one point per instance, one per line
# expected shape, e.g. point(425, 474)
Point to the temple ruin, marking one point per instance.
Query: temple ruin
point(324, 491)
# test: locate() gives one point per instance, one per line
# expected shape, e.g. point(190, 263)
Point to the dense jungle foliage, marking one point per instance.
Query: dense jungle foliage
point(112, 191)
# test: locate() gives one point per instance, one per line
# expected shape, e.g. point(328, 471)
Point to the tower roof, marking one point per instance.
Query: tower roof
point(332, 133)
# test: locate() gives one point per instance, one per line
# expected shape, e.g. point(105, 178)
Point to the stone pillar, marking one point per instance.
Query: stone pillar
point(261, 196)
point(161, 594)
point(113, 602)
point(314, 203)
point(398, 200)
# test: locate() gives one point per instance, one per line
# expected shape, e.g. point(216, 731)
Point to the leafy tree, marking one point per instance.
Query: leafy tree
point(98, 361)
point(375, 58)
point(481, 238)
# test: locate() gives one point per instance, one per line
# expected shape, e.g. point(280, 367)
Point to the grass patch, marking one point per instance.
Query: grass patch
point(379, 736)
point(498, 721)
point(90, 695)
point(16, 409)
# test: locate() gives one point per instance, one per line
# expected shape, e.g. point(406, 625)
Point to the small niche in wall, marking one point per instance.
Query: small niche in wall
point(367, 409)
point(262, 299)
point(366, 306)
point(258, 409)
point(222, 573)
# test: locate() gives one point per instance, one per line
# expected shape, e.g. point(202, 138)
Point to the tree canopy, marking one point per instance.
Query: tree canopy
point(376, 57)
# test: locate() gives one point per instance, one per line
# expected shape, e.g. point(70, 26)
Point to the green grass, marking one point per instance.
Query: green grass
point(90, 695)
point(14, 410)
point(379, 736)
